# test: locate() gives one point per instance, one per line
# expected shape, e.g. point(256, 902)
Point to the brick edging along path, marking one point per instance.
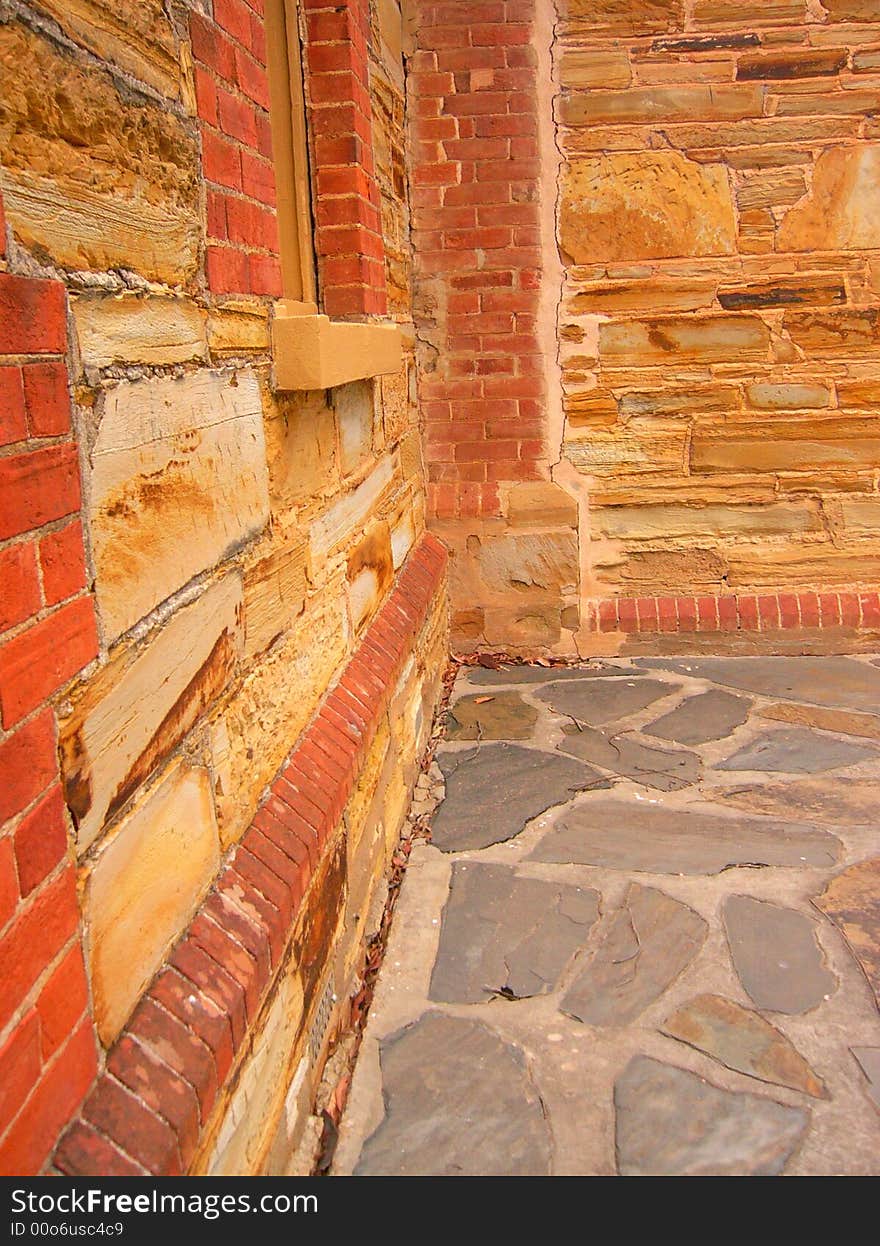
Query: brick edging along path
point(146, 1113)
point(744, 612)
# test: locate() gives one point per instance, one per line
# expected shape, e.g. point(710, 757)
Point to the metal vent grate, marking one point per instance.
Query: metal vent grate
point(321, 1021)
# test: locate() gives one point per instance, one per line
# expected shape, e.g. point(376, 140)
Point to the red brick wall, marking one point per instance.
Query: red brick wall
point(476, 232)
point(47, 634)
point(232, 94)
point(351, 253)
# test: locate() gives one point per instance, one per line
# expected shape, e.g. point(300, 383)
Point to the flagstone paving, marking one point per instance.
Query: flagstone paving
point(644, 939)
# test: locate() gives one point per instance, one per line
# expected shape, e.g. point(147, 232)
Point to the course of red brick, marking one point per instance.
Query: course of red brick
point(48, 1053)
point(476, 234)
point(743, 612)
point(146, 1113)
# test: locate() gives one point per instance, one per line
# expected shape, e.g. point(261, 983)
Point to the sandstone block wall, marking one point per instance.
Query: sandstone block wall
point(718, 324)
point(194, 556)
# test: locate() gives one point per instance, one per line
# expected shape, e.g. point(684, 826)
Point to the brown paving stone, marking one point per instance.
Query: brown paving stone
point(742, 1040)
point(672, 1123)
point(852, 901)
point(601, 701)
point(624, 835)
point(504, 716)
point(797, 750)
point(828, 801)
point(708, 716)
point(505, 934)
point(493, 790)
point(459, 1102)
point(776, 955)
point(624, 755)
point(649, 941)
point(845, 722)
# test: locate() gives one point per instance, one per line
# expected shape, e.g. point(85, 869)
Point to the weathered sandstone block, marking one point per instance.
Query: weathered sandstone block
point(144, 887)
point(239, 328)
point(178, 482)
point(353, 405)
point(540, 503)
point(136, 35)
point(301, 448)
point(126, 329)
point(670, 522)
point(645, 205)
point(626, 16)
point(142, 704)
point(644, 105)
point(254, 731)
point(841, 209)
point(93, 178)
point(340, 521)
point(370, 571)
point(679, 339)
point(275, 589)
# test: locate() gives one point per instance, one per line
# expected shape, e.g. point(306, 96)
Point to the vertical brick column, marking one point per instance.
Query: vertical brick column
point(232, 94)
point(476, 219)
point(351, 251)
point(47, 634)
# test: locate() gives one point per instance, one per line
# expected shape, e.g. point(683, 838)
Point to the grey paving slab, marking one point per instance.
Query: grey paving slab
point(502, 716)
point(827, 801)
point(666, 770)
point(622, 835)
point(649, 941)
point(835, 681)
point(744, 1041)
point(852, 901)
point(868, 1059)
point(545, 674)
point(669, 1122)
point(505, 934)
point(459, 1101)
point(797, 750)
point(776, 955)
point(601, 701)
point(707, 716)
point(493, 790)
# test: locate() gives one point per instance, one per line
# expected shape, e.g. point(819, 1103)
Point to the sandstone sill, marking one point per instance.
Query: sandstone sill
point(311, 351)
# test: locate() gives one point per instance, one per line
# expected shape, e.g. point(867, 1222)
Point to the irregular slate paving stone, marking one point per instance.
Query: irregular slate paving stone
point(654, 839)
point(743, 1041)
point(671, 1123)
point(458, 1102)
point(663, 769)
point(548, 674)
point(650, 940)
point(493, 790)
point(776, 955)
point(504, 934)
point(601, 701)
point(797, 750)
point(505, 717)
point(708, 716)
point(854, 803)
point(846, 722)
point(852, 901)
point(839, 682)
point(868, 1059)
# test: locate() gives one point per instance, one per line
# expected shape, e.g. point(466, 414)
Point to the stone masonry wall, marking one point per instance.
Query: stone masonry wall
point(720, 316)
point(192, 556)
